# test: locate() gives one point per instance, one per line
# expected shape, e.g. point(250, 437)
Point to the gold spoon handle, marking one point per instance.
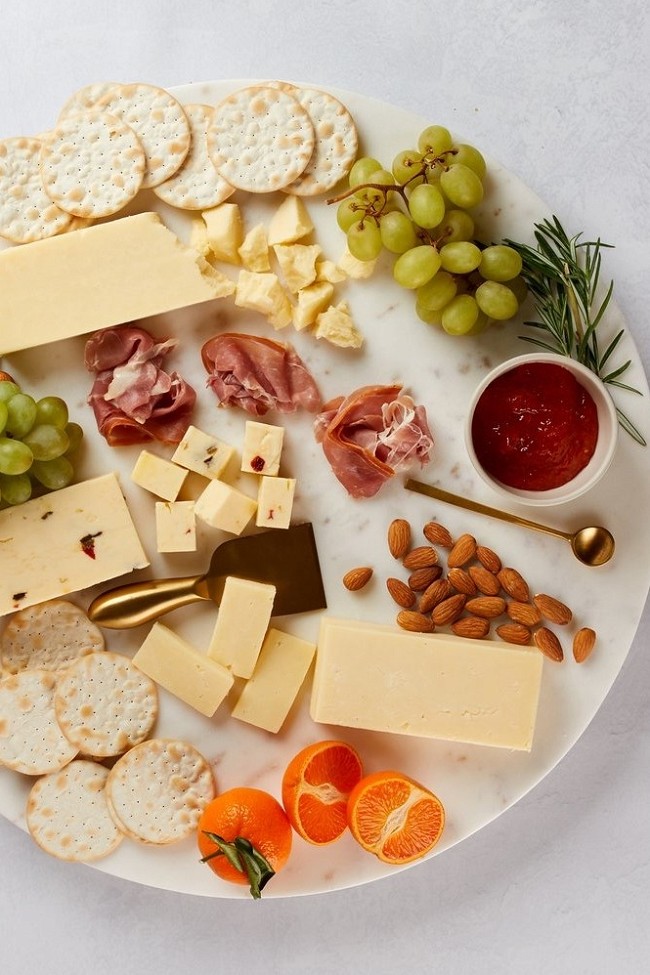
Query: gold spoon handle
point(482, 509)
point(142, 602)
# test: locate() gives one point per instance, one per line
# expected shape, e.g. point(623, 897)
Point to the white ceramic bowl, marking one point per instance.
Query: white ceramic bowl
point(605, 446)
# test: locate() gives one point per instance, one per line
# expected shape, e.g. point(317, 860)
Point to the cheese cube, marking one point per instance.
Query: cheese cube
point(262, 448)
point(297, 264)
point(281, 669)
point(328, 271)
point(158, 475)
point(224, 507)
point(432, 685)
point(263, 292)
point(354, 268)
point(311, 302)
point(244, 615)
point(335, 324)
point(183, 670)
point(274, 502)
point(254, 251)
point(175, 526)
point(202, 453)
point(290, 222)
point(225, 232)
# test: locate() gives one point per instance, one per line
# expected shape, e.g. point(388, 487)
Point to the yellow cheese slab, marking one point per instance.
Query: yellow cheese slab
point(431, 685)
point(244, 614)
point(96, 277)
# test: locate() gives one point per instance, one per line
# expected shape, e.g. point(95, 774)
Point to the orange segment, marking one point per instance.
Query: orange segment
point(315, 789)
point(394, 817)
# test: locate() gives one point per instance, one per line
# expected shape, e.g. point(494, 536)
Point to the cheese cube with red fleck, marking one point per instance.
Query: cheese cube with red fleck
point(202, 453)
point(157, 475)
point(262, 448)
point(175, 526)
point(222, 506)
point(274, 502)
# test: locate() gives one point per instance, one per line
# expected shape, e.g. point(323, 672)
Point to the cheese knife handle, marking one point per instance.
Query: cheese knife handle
point(143, 602)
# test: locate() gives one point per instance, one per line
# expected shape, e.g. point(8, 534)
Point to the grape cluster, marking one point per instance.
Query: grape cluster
point(419, 212)
point(36, 442)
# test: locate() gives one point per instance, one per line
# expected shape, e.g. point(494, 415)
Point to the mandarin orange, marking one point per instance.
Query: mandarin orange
point(315, 789)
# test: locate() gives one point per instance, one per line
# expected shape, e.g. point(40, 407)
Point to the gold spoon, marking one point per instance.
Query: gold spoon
point(593, 545)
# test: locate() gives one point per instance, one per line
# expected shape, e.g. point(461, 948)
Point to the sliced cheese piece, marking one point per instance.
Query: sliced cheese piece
point(335, 324)
point(244, 615)
point(175, 526)
point(262, 448)
point(263, 292)
point(98, 276)
point(297, 264)
point(432, 685)
point(224, 232)
point(157, 475)
point(311, 302)
point(274, 502)
point(183, 670)
point(290, 222)
point(254, 250)
point(65, 541)
point(281, 669)
point(202, 453)
point(224, 507)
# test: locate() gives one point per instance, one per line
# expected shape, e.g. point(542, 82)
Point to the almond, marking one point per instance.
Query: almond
point(583, 644)
point(515, 633)
point(462, 581)
point(514, 584)
point(488, 559)
point(552, 609)
point(449, 610)
point(400, 592)
point(420, 558)
point(548, 643)
point(434, 594)
point(484, 580)
point(462, 552)
point(420, 579)
point(415, 622)
point(488, 606)
point(437, 534)
point(399, 538)
point(357, 578)
point(524, 613)
point(473, 627)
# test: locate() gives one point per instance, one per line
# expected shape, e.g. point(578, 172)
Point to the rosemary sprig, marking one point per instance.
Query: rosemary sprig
point(562, 273)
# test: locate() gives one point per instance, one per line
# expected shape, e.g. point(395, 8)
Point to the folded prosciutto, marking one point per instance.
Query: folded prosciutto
point(370, 434)
point(258, 374)
point(134, 399)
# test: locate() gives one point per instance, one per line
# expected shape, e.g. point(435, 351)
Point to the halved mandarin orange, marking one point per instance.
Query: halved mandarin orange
point(315, 789)
point(395, 817)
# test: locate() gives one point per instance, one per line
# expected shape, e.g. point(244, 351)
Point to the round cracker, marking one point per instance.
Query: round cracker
point(30, 738)
point(68, 816)
point(157, 790)
point(92, 164)
point(48, 636)
point(159, 122)
point(197, 185)
point(87, 97)
point(261, 139)
point(26, 211)
point(104, 704)
point(336, 146)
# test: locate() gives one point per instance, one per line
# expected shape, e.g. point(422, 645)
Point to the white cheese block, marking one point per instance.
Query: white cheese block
point(432, 685)
point(202, 453)
point(65, 541)
point(175, 526)
point(274, 502)
point(222, 506)
point(281, 669)
point(290, 222)
point(96, 277)
point(157, 475)
point(183, 670)
point(224, 232)
point(262, 448)
point(244, 614)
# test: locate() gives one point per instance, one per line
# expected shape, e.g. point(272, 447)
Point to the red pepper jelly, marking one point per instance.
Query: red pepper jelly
point(535, 427)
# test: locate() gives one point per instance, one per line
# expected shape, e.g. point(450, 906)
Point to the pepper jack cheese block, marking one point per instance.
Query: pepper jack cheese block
point(262, 448)
point(274, 502)
point(244, 615)
point(278, 676)
point(183, 670)
point(65, 541)
point(175, 526)
point(98, 276)
point(202, 453)
point(432, 685)
point(157, 475)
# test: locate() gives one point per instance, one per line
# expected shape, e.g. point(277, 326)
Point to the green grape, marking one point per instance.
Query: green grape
point(500, 263)
point(406, 164)
point(417, 266)
point(519, 289)
point(460, 257)
point(75, 436)
point(15, 490)
point(426, 205)
point(438, 292)
point(397, 232)
point(481, 323)
point(381, 175)
point(436, 139)
point(4, 413)
point(460, 315)
point(7, 390)
point(21, 410)
point(362, 170)
point(461, 186)
point(469, 156)
point(456, 225)
point(52, 410)
point(496, 300)
point(370, 197)
point(47, 442)
point(364, 240)
point(428, 315)
point(53, 474)
point(348, 212)
point(15, 456)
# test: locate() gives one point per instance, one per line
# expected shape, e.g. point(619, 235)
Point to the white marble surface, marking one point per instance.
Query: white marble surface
point(560, 883)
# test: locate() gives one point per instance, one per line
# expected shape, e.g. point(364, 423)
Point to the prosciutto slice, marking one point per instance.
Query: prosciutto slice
point(370, 434)
point(133, 398)
point(258, 374)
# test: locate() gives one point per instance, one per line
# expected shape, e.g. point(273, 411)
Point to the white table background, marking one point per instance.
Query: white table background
point(559, 93)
